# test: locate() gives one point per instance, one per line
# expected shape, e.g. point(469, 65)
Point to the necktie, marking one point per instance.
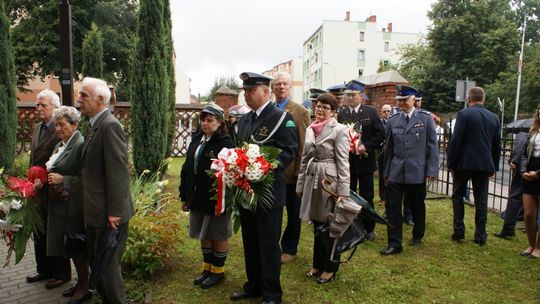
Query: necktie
point(407, 118)
point(43, 132)
point(198, 154)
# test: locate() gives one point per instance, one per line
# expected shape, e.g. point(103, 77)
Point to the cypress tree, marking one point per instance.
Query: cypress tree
point(147, 93)
point(170, 122)
point(8, 102)
point(92, 49)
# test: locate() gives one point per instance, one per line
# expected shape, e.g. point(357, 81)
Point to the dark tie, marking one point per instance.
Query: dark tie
point(253, 116)
point(43, 132)
point(199, 153)
point(407, 118)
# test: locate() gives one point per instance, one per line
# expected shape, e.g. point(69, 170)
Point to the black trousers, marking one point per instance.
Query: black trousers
point(480, 183)
point(363, 185)
point(291, 234)
point(513, 205)
point(381, 178)
point(262, 255)
point(57, 267)
point(322, 249)
point(395, 193)
point(111, 287)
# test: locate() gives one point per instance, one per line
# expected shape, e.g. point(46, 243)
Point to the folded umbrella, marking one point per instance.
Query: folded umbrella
point(105, 251)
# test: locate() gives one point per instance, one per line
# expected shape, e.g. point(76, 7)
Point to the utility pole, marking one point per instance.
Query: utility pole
point(520, 68)
point(66, 53)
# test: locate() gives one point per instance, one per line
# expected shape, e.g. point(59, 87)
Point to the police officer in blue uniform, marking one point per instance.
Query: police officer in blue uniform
point(266, 126)
point(411, 156)
point(338, 91)
point(362, 167)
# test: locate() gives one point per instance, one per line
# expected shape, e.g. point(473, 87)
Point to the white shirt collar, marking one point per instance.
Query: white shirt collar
point(94, 118)
point(260, 109)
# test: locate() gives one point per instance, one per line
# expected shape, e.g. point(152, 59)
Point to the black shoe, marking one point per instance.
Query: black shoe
point(212, 280)
point(408, 221)
point(242, 294)
point(391, 250)
point(479, 243)
point(86, 296)
point(415, 242)
point(371, 236)
point(201, 277)
point(504, 235)
point(36, 278)
point(54, 283)
point(324, 281)
point(69, 292)
point(458, 238)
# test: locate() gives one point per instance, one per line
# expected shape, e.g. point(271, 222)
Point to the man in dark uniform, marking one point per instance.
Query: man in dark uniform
point(361, 166)
point(473, 153)
point(314, 93)
point(265, 125)
point(44, 139)
point(411, 156)
point(338, 91)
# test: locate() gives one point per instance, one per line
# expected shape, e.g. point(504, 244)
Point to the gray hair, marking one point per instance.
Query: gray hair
point(285, 75)
point(100, 88)
point(69, 113)
point(51, 95)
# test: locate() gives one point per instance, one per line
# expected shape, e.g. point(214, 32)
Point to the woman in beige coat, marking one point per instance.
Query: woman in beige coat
point(325, 155)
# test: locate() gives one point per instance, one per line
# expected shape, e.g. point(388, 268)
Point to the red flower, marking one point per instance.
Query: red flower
point(37, 172)
point(23, 187)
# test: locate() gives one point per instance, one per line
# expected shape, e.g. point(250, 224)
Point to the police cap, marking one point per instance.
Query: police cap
point(251, 80)
point(404, 91)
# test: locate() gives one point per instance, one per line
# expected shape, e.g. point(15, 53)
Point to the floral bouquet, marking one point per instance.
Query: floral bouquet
point(19, 212)
point(244, 178)
point(355, 135)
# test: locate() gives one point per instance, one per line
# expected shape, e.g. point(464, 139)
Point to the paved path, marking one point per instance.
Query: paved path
point(13, 286)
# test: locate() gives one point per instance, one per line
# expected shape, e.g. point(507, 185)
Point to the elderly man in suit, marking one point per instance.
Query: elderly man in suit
point(44, 139)
point(281, 87)
point(411, 156)
point(473, 153)
point(362, 167)
point(105, 177)
point(266, 126)
point(514, 203)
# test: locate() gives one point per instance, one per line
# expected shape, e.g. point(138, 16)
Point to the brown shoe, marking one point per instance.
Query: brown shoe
point(53, 283)
point(287, 258)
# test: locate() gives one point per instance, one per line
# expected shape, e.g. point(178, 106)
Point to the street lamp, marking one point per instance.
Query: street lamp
point(66, 53)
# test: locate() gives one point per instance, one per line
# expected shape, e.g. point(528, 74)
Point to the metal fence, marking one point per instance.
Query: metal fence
point(499, 184)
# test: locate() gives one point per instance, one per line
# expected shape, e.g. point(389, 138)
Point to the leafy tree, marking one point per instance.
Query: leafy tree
point(8, 103)
point(148, 88)
point(92, 51)
point(386, 66)
point(230, 81)
point(531, 9)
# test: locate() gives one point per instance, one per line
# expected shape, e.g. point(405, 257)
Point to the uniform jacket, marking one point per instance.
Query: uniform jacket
point(41, 152)
point(195, 186)
point(476, 141)
point(105, 173)
point(258, 129)
point(411, 153)
point(301, 118)
point(527, 153)
point(372, 136)
point(323, 157)
point(68, 165)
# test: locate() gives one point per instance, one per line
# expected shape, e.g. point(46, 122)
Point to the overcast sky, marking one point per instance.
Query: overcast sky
point(223, 38)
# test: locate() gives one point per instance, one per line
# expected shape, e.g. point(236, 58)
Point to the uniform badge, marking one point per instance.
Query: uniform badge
point(211, 154)
point(263, 131)
point(418, 125)
point(290, 124)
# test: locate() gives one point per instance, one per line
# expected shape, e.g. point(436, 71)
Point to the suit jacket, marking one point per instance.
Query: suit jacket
point(195, 186)
point(105, 173)
point(411, 153)
point(251, 129)
point(476, 141)
point(302, 120)
point(68, 165)
point(372, 137)
point(527, 152)
point(40, 154)
point(324, 156)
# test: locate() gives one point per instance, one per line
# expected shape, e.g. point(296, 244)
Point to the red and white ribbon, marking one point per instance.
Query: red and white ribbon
point(220, 191)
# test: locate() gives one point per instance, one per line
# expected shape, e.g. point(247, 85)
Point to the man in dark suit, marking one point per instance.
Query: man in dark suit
point(473, 153)
point(411, 156)
point(281, 87)
point(362, 167)
point(44, 139)
point(105, 177)
point(514, 203)
point(266, 126)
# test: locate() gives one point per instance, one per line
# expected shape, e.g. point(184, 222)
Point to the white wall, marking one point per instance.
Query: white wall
point(183, 87)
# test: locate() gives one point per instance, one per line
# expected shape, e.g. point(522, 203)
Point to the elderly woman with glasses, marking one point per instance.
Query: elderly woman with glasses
point(530, 171)
point(325, 156)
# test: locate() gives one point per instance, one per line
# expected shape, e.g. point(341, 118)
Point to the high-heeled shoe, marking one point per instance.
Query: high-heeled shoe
point(86, 296)
point(311, 273)
point(321, 280)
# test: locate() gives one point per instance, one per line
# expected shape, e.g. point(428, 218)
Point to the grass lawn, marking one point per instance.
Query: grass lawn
point(438, 271)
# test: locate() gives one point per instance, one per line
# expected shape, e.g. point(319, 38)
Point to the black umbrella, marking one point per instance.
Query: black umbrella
point(105, 250)
point(522, 125)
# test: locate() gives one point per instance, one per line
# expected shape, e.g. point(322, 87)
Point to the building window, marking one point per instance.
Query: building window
point(360, 72)
point(361, 55)
point(387, 46)
point(361, 36)
point(316, 57)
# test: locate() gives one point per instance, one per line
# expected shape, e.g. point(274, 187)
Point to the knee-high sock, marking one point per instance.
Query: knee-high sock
point(219, 261)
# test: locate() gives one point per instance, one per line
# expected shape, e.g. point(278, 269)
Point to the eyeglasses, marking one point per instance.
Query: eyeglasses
point(320, 107)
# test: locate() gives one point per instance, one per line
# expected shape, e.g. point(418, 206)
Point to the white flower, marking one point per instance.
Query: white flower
point(253, 152)
point(228, 155)
point(158, 191)
point(217, 165)
point(164, 182)
point(5, 206)
point(254, 172)
point(16, 204)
